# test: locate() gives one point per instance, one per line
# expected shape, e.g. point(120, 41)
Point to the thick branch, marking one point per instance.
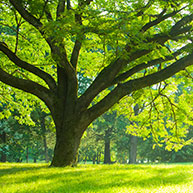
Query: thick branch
point(28, 86)
point(66, 75)
point(75, 53)
point(30, 18)
point(78, 44)
point(141, 12)
point(60, 56)
point(104, 77)
point(126, 88)
point(185, 20)
point(25, 14)
point(160, 76)
point(160, 18)
point(83, 3)
point(60, 8)
point(29, 67)
point(47, 12)
point(144, 65)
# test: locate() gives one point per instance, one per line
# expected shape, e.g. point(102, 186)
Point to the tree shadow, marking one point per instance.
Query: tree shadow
point(91, 180)
point(18, 169)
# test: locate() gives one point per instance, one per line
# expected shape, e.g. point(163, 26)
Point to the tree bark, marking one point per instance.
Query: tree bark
point(94, 159)
point(85, 159)
point(133, 150)
point(45, 149)
point(3, 154)
point(44, 138)
point(133, 142)
point(27, 155)
point(67, 143)
point(35, 159)
point(98, 157)
point(107, 153)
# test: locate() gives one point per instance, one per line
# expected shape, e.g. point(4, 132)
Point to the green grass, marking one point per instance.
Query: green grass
point(96, 178)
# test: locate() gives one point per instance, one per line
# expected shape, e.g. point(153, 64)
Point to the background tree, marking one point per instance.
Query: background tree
point(125, 46)
point(21, 142)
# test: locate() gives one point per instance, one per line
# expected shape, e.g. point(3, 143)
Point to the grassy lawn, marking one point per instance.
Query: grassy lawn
point(96, 178)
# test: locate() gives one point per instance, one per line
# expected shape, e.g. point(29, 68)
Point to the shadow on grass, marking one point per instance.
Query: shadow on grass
point(96, 178)
point(18, 169)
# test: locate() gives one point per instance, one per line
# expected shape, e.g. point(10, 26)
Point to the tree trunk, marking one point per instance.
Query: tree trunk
point(67, 144)
point(133, 142)
point(94, 159)
point(44, 138)
point(27, 155)
point(35, 159)
point(85, 159)
point(45, 149)
point(107, 154)
point(3, 154)
point(133, 150)
point(98, 157)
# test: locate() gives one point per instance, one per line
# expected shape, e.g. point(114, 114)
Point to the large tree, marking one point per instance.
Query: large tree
point(123, 46)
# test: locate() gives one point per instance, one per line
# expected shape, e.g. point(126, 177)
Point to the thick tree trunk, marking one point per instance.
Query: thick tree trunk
point(67, 144)
point(133, 150)
point(66, 150)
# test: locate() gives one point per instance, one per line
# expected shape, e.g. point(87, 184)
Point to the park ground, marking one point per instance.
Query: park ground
point(39, 178)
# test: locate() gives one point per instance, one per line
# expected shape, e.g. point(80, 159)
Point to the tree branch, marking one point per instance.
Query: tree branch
point(185, 20)
point(75, 53)
point(46, 11)
point(25, 14)
point(28, 86)
point(144, 65)
point(48, 14)
point(83, 3)
point(106, 76)
point(149, 3)
point(126, 88)
point(100, 83)
point(78, 44)
point(60, 56)
point(60, 8)
point(110, 72)
point(160, 18)
point(29, 67)
point(30, 19)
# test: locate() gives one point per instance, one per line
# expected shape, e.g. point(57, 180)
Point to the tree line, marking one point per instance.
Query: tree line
point(105, 141)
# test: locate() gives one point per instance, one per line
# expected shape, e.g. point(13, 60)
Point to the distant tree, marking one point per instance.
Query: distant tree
point(147, 151)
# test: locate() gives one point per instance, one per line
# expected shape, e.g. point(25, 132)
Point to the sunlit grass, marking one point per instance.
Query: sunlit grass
point(96, 178)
